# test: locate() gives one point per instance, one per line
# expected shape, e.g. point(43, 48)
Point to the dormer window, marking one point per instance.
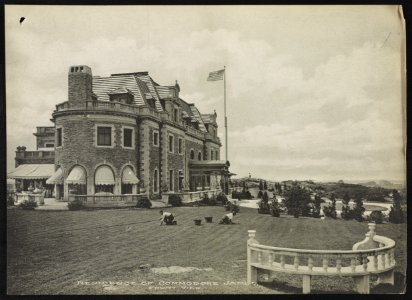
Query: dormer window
point(122, 95)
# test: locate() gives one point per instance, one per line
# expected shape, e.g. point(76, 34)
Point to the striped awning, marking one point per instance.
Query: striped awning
point(77, 176)
point(32, 171)
point(56, 178)
point(128, 176)
point(104, 176)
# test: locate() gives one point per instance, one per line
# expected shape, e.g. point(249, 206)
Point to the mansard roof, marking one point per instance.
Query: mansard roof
point(143, 87)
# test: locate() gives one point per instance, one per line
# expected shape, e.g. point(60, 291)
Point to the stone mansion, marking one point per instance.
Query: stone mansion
point(123, 134)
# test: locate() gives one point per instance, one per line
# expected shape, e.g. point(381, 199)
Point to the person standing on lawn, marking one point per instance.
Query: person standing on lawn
point(167, 218)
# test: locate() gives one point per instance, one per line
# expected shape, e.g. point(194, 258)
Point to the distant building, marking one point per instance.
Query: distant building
point(123, 134)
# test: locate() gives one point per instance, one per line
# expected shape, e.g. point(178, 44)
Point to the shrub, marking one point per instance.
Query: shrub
point(330, 211)
point(274, 208)
point(241, 195)
point(208, 201)
point(28, 204)
point(347, 213)
point(264, 207)
point(221, 198)
point(358, 210)
point(143, 202)
point(175, 200)
point(76, 204)
point(229, 206)
point(260, 194)
point(376, 216)
point(297, 200)
point(10, 200)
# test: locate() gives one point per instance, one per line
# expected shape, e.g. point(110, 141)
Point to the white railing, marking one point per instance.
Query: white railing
point(373, 255)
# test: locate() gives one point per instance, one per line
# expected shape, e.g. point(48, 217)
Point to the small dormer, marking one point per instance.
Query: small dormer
point(122, 95)
point(150, 100)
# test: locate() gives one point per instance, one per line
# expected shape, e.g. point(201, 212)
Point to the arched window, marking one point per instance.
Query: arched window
point(192, 154)
point(104, 180)
point(217, 155)
point(199, 156)
point(155, 181)
point(211, 154)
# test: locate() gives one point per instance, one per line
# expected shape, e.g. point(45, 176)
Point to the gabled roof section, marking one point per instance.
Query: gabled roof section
point(150, 84)
point(163, 91)
point(197, 116)
point(209, 119)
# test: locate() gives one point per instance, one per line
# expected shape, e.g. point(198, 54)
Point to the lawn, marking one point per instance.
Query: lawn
point(59, 252)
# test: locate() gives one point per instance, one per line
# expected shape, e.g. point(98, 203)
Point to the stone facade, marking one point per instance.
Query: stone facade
point(79, 118)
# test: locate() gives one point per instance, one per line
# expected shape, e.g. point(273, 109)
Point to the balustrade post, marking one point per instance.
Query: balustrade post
point(353, 265)
point(282, 261)
point(310, 263)
point(362, 284)
point(375, 261)
point(296, 262)
point(383, 259)
point(271, 258)
point(306, 284)
point(338, 264)
point(325, 264)
point(365, 263)
point(251, 270)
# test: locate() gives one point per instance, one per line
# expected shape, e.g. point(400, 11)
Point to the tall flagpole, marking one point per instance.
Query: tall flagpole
point(224, 86)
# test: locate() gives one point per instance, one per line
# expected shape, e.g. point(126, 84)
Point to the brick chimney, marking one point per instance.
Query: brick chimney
point(80, 85)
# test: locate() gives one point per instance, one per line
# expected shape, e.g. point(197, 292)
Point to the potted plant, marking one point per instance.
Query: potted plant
point(197, 221)
point(208, 219)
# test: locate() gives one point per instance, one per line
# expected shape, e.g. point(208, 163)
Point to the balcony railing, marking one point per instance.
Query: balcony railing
point(40, 154)
point(108, 106)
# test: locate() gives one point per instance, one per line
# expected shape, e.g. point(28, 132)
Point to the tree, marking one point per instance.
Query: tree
point(316, 208)
point(358, 210)
point(265, 185)
point(297, 200)
point(260, 185)
point(346, 199)
point(396, 214)
point(346, 213)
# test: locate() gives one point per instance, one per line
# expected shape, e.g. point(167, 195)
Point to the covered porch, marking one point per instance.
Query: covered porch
point(209, 175)
point(205, 178)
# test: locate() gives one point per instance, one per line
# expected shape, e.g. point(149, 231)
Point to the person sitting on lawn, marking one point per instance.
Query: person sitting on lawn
point(167, 218)
point(227, 218)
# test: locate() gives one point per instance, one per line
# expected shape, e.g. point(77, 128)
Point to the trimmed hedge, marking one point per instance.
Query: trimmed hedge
point(28, 204)
point(143, 202)
point(175, 200)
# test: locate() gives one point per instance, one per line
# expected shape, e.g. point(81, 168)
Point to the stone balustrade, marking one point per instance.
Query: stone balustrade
point(20, 197)
point(373, 255)
point(188, 197)
point(107, 200)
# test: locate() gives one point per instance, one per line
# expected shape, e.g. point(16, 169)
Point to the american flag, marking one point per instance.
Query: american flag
point(216, 75)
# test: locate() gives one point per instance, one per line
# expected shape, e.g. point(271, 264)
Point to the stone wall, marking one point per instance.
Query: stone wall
point(79, 134)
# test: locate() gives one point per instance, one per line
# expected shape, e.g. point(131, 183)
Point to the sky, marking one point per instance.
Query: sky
point(313, 92)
